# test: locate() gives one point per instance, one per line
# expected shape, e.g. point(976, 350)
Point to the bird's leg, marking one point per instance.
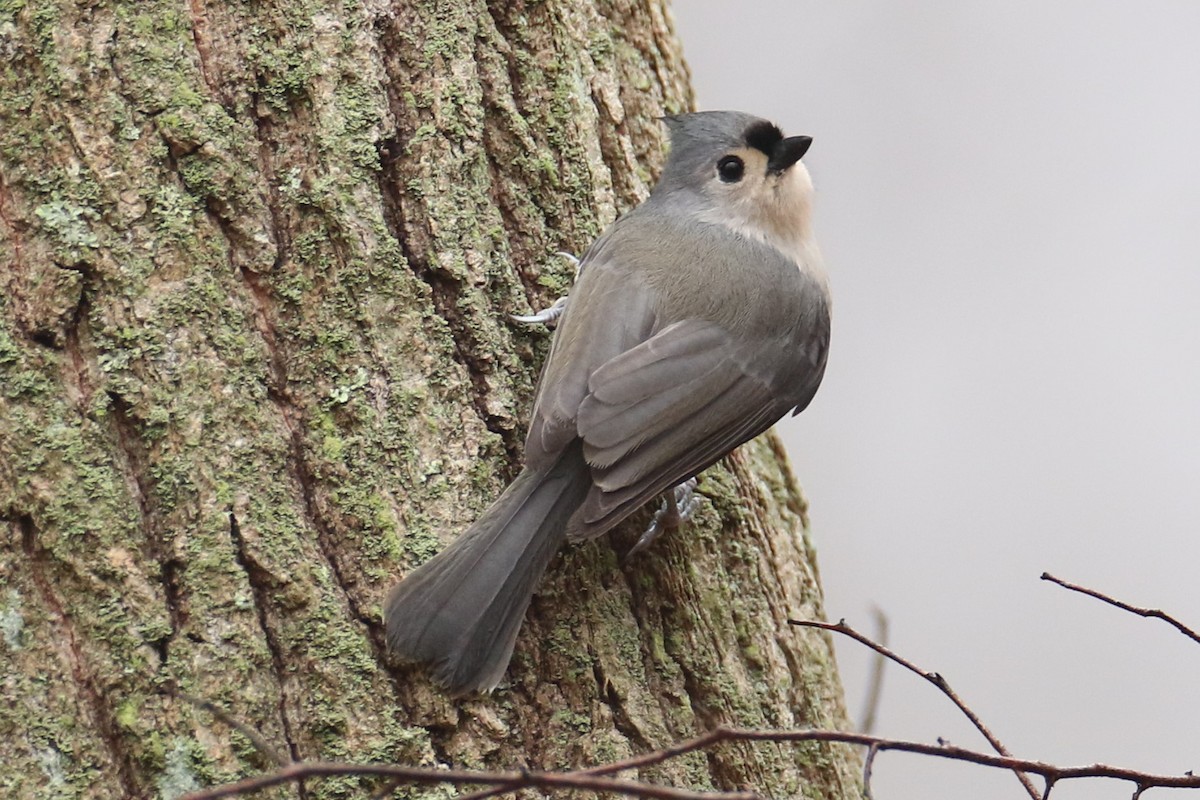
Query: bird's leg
point(545, 316)
point(677, 507)
point(548, 315)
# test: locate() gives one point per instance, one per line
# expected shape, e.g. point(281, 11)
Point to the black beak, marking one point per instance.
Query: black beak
point(787, 152)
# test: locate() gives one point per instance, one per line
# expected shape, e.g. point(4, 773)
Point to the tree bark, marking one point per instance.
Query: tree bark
point(255, 363)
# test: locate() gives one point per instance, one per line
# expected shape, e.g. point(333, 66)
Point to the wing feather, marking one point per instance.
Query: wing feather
point(588, 336)
point(663, 411)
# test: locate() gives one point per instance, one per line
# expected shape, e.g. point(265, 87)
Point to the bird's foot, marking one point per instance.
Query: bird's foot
point(545, 316)
point(548, 315)
point(677, 507)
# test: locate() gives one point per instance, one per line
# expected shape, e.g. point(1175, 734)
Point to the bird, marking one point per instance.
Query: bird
point(697, 320)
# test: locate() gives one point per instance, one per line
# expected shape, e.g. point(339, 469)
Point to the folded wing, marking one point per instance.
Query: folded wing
point(663, 411)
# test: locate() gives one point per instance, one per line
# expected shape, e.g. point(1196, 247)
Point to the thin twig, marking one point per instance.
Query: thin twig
point(657, 756)
point(1048, 771)
point(936, 679)
point(257, 740)
point(592, 781)
point(1112, 601)
point(868, 766)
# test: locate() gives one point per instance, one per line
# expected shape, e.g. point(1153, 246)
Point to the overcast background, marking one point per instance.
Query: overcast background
point(1009, 205)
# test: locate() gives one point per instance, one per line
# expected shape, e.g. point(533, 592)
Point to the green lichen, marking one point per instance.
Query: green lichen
point(51, 762)
point(127, 713)
point(12, 621)
point(340, 394)
point(287, 69)
point(70, 225)
point(177, 777)
point(355, 130)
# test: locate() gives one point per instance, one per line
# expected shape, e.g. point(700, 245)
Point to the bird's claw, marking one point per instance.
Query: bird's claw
point(545, 316)
point(548, 315)
point(677, 508)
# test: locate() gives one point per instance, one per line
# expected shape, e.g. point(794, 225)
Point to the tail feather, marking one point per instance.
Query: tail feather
point(460, 612)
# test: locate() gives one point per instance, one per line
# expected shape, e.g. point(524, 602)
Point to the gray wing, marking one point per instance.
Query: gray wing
point(666, 409)
point(610, 311)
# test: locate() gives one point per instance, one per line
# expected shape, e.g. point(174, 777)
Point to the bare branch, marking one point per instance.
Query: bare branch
point(1112, 601)
point(1050, 772)
point(509, 781)
point(933, 677)
point(598, 778)
point(593, 781)
point(657, 756)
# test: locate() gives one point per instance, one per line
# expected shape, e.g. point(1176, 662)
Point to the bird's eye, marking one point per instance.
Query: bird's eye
point(730, 168)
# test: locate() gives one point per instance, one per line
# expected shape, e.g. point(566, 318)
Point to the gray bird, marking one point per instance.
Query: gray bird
point(698, 319)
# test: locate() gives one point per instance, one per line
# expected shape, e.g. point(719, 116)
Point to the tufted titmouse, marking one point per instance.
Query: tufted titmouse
point(699, 319)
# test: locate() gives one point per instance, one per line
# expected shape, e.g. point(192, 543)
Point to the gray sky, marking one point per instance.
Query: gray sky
point(1009, 204)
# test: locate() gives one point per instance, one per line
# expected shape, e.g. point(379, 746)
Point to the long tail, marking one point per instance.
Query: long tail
point(460, 612)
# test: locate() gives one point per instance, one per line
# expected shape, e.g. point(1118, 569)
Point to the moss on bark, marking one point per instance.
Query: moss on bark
point(255, 362)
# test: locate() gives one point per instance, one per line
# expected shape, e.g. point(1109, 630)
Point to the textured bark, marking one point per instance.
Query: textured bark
point(255, 362)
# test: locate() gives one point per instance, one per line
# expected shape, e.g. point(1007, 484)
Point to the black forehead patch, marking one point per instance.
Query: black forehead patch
point(763, 136)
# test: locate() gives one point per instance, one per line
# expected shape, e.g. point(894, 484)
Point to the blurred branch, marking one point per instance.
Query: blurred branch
point(878, 667)
point(933, 677)
point(1141, 612)
point(257, 740)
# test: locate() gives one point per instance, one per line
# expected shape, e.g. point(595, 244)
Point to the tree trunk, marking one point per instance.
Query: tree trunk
point(255, 363)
